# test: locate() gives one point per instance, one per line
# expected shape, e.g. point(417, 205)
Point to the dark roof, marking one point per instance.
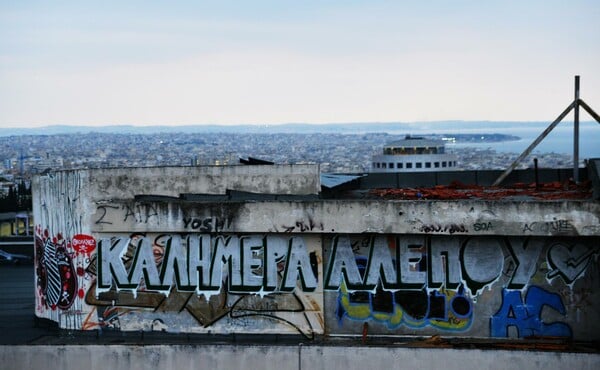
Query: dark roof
point(415, 142)
point(331, 180)
point(255, 161)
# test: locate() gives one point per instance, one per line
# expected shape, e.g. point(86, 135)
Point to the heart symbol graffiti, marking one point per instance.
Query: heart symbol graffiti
point(568, 261)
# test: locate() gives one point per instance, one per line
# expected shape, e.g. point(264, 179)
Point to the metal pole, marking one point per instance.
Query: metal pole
point(537, 178)
point(594, 115)
point(576, 133)
point(533, 145)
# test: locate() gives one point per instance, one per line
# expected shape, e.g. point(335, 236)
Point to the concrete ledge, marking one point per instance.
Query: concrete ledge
point(350, 216)
point(117, 357)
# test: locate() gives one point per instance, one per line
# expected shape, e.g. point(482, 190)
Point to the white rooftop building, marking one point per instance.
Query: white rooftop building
point(414, 154)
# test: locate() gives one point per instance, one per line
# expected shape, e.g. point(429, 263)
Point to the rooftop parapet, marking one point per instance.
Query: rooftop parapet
point(171, 249)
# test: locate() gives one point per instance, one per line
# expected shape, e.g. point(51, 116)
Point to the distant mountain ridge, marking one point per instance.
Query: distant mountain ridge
point(343, 128)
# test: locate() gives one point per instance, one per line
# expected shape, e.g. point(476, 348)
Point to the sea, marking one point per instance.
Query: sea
point(559, 140)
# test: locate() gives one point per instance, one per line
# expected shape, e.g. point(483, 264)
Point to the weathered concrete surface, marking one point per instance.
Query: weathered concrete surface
point(172, 181)
point(119, 250)
point(66, 200)
point(231, 357)
point(470, 217)
point(103, 200)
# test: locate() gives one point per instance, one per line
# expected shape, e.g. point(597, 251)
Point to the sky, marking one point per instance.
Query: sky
point(277, 61)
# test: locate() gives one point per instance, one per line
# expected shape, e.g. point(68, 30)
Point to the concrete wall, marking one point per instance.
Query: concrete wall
point(124, 183)
point(107, 259)
point(483, 178)
point(567, 218)
point(117, 357)
point(472, 286)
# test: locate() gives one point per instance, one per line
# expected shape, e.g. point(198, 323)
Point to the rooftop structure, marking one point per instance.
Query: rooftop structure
point(275, 250)
point(414, 154)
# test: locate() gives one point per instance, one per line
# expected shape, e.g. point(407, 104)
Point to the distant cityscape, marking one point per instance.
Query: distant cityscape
point(25, 155)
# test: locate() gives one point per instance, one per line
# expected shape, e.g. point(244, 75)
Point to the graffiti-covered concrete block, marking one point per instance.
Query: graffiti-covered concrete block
point(123, 250)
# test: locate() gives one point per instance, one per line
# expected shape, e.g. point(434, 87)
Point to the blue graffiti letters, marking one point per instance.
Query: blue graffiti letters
point(526, 316)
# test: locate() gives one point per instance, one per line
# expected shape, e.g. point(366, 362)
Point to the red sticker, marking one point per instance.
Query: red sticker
point(84, 244)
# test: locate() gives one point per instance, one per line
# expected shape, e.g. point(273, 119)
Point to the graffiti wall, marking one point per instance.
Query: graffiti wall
point(193, 283)
point(108, 256)
point(476, 286)
point(502, 287)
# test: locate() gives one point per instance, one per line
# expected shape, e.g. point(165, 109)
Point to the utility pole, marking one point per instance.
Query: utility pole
point(576, 133)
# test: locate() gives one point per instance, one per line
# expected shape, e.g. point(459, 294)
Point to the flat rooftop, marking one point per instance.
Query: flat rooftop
point(519, 191)
point(522, 185)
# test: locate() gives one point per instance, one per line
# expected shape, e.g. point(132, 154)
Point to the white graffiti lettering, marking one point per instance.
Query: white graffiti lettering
point(204, 263)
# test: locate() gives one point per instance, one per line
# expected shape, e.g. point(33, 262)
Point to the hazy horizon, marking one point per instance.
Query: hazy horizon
point(566, 120)
point(531, 128)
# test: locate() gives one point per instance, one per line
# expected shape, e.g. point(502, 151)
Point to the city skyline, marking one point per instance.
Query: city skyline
point(274, 62)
